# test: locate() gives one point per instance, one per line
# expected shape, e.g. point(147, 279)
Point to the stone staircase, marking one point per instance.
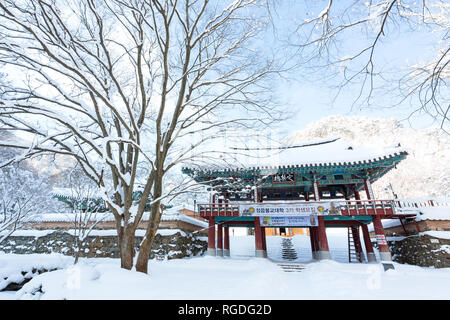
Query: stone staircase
point(287, 249)
point(288, 255)
point(291, 267)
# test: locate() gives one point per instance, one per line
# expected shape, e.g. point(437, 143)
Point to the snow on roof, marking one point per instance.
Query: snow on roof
point(67, 217)
point(182, 217)
point(320, 152)
point(95, 232)
point(63, 191)
point(72, 193)
point(107, 217)
point(434, 213)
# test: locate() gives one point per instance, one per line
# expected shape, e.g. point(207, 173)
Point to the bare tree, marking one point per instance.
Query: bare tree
point(131, 88)
point(323, 41)
point(86, 207)
point(23, 195)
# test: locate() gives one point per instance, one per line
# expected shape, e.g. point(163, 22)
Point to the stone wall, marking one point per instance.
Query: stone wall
point(421, 250)
point(108, 225)
point(424, 225)
point(173, 246)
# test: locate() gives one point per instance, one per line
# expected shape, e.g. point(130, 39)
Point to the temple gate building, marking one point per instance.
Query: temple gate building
point(316, 186)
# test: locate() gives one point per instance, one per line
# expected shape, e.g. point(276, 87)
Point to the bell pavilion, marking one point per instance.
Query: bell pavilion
point(317, 185)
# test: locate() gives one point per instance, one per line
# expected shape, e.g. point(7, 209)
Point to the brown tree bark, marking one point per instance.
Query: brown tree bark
point(152, 227)
point(127, 248)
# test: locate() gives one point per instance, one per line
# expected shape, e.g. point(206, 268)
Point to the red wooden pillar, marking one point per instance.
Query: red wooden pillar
point(220, 240)
point(259, 242)
point(312, 238)
point(212, 237)
point(316, 242)
point(368, 244)
point(357, 196)
point(383, 248)
point(263, 231)
point(263, 254)
point(226, 241)
point(357, 243)
point(324, 251)
point(316, 234)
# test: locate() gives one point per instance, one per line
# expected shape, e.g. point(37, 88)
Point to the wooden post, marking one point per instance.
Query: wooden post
point(383, 248)
point(212, 237)
point(312, 238)
point(219, 240)
point(316, 242)
point(368, 244)
point(226, 241)
point(259, 242)
point(324, 251)
point(263, 229)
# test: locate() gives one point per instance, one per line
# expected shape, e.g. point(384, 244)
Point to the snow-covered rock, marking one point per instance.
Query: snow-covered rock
point(18, 268)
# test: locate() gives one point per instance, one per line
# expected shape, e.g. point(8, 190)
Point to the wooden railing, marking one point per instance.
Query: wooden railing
point(413, 203)
point(347, 208)
point(218, 210)
point(366, 207)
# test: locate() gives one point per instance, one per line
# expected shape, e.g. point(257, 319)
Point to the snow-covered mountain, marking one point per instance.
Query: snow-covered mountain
point(54, 167)
point(424, 173)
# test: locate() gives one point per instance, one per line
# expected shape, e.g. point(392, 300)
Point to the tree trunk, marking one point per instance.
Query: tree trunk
point(144, 252)
point(77, 253)
point(127, 249)
point(146, 246)
point(152, 227)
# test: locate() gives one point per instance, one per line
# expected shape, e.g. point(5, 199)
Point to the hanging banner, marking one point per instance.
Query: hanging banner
point(287, 209)
point(298, 221)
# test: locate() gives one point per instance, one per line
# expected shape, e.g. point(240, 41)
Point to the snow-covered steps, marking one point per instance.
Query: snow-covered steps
point(288, 251)
point(291, 267)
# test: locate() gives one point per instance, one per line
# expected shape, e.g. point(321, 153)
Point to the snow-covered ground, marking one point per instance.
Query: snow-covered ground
point(239, 277)
point(17, 267)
